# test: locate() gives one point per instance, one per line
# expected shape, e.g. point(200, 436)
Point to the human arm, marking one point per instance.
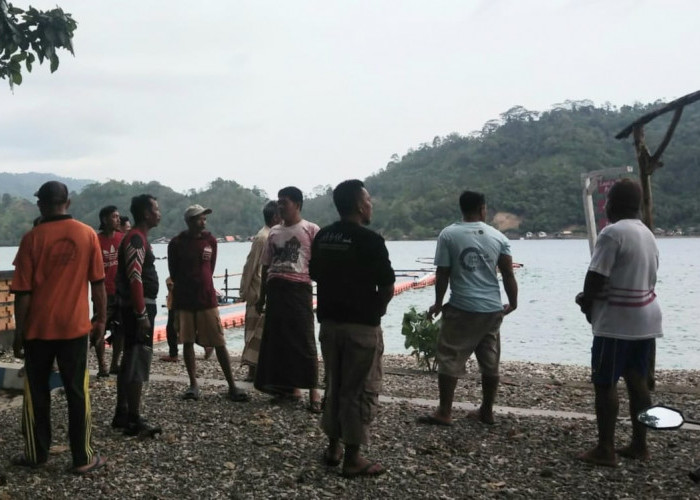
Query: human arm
point(23, 301)
point(442, 279)
point(510, 285)
point(250, 269)
point(260, 304)
point(135, 255)
point(384, 294)
point(99, 305)
point(593, 287)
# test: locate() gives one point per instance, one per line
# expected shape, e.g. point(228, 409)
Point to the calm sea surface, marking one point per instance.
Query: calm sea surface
point(547, 327)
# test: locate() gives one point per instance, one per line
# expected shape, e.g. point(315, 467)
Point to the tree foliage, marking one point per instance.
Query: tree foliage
point(28, 35)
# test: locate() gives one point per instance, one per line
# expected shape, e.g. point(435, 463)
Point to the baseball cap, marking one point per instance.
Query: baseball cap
point(52, 192)
point(195, 210)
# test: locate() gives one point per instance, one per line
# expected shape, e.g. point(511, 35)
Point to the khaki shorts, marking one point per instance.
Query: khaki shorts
point(201, 327)
point(463, 333)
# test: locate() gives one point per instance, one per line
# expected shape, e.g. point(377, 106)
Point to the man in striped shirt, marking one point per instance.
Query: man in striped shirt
point(620, 302)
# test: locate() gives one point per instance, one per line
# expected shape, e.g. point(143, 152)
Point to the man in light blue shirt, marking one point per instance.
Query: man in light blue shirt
point(467, 256)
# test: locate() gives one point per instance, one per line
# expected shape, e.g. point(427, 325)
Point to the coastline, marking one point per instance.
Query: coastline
point(213, 448)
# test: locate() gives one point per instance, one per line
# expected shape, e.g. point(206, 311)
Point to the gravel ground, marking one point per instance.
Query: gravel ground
point(213, 448)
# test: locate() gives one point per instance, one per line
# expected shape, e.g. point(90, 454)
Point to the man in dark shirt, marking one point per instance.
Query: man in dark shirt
point(355, 281)
point(191, 261)
point(137, 288)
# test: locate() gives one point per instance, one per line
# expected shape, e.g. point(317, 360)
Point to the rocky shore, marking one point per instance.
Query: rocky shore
point(214, 448)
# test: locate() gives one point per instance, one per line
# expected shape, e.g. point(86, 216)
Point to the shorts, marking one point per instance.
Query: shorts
point(136, 361)
point(463, 333)
point(201, 327)
point(612, 358)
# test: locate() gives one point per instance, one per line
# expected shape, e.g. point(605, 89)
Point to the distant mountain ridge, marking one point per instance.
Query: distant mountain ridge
point(24, 185)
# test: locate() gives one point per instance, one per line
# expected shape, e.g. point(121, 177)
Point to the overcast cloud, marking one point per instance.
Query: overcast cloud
point(313, 92)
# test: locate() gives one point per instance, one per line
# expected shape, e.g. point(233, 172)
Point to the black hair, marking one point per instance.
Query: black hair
point(625, 198)
point(470, 202)
point(139, 205)
point(123, 219)
point(104, 213)
point(346, 195)
point(293, 193)
point(269, 211)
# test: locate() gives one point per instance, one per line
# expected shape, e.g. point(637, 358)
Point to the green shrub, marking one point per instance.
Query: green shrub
point(421, 335)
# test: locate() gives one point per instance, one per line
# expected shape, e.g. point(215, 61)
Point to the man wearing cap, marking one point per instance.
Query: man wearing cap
point(191, 261)
point(109, 237)
point(54, 264)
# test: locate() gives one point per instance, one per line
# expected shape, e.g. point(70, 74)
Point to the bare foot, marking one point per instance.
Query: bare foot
point(362, 467)
point(435, 419)
point(482, 416)
point(634, 452)
point(597, 456)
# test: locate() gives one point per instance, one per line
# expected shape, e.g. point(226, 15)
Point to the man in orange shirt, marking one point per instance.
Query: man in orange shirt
point(53, 266)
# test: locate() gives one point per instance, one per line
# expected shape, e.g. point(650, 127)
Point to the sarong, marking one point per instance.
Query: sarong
point(288, 356)
point(254, 323)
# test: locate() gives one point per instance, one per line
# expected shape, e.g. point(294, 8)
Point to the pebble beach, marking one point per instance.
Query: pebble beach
point(214, 448)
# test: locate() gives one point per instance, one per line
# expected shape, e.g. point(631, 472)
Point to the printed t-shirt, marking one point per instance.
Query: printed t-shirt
point(626, 253)
point(348, 263)
point(191, 261)
point(288, 251)
point(55, 262)
point(471, 251)
point(110, 253)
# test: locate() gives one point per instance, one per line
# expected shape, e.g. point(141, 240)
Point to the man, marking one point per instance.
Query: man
point(110, 237)
point(191, 261)
point(288, 360)
point(619, 300)
point(351, 267)
point(250, 290)
point(124, 224)
point(137, 287)
point(467, 256)
point(53, 266)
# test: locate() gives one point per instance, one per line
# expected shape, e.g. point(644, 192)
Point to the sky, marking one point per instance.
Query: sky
point(309, 93)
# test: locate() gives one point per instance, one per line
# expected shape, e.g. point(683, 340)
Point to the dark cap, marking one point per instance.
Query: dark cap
point(53, 192)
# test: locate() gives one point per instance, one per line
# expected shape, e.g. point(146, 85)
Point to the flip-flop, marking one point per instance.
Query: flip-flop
point(191, 394)
point(315, 407)
point(97, 464)
point(23, 461)
point(371, 469)
point(238, 396)
point(431, 420)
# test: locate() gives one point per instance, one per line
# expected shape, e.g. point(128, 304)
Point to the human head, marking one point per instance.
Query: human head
point(473, 204)
point(124, 223)
point(109, 219)
point(290, 201)
point(271, 213)
point(352, 201)
point(52, 197)
point(144, 208)
point(624, 200)
point(196, 218)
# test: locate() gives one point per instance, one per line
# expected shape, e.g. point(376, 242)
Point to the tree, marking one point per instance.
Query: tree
point(31, 34)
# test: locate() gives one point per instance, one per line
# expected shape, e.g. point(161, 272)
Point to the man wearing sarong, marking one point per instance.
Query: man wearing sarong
point(54, 264)
point(288, 360)
point(467, 255)
point(110, 237)
point(137, 287)
point(351, 267)
point(191, 261)
point(620, 302)
point(250, 290)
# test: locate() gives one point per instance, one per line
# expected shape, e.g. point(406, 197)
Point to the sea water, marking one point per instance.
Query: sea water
point(547, 327)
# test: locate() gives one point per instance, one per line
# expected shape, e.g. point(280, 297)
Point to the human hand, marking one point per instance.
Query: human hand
point(508, 308)
point(434, 310)
point(18, 346)
point(586, 305)
point(143, 329)
point(97, 333)
point(260, 305)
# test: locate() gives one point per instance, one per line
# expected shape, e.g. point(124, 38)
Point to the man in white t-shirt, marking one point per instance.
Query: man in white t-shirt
point(620, 302)
point(467, 255)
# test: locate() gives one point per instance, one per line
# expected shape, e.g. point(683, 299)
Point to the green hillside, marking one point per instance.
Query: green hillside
point(529, 165)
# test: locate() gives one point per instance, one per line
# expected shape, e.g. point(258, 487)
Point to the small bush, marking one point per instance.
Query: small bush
point(421, 335)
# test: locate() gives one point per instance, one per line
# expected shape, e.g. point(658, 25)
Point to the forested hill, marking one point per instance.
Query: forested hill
point(528, 164)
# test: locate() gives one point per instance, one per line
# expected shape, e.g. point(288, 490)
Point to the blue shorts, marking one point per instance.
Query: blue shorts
point(612, 358)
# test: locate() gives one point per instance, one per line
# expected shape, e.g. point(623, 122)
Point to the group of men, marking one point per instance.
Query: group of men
point(355, 280)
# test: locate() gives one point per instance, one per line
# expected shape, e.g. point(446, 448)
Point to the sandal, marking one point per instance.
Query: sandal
point(23, 461)
point(191, 394)
point(97, 463)
point(315, 407)
point(238, 396)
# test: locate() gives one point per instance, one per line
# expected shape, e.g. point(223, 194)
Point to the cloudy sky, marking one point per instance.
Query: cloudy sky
point(271, 93)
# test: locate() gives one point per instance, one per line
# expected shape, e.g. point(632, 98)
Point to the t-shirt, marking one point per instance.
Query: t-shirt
point(626, 253)
point(191, 261)
point(471, 251)
point(288, 251)
point(137, 279)
point(55, 262)
point(348, 263)
point(110, 251)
